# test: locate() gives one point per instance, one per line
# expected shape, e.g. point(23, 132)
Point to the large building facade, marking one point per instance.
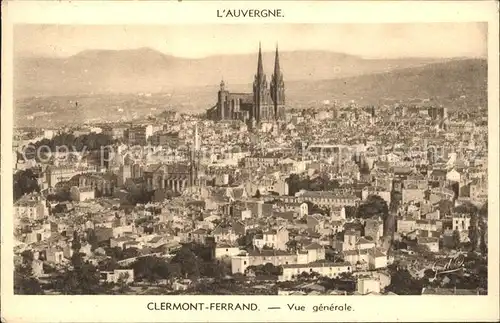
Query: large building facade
point(265, 104)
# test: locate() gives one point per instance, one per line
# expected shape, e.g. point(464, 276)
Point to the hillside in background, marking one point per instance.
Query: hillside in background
point(147, 70)
point(455, 84)
point(448, 83)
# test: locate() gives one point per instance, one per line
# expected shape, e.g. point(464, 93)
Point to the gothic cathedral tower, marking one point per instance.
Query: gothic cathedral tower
point(221, 102)
point(278, 89)
point(262, 107)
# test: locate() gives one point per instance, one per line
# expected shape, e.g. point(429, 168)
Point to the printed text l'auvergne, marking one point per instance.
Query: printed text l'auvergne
point(249, 13)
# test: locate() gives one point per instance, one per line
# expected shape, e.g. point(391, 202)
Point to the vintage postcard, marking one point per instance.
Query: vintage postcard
point(257, 161)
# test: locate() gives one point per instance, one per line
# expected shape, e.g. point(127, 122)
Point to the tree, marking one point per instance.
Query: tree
point(60, 196)
point(429, 274)
point(346, 284)
point(424, 251)
point(115, 253)
point(89, 143)
point(188, 262)
point(24, 281)
point(92, 239)
point(466, 208)
point(474, 237)
point(319, 183)
point(403, 283)
point(130, 253)
point(247, 240)
point(313, 208)
point(396, 198)
point(294, 183)
point(272, 270)
point(82, 279)
point(76, 244)
point(24, 182)
point(303, 275)
point(483, 228)
point(292, 245)
point(109, 264)
point(152, 269)
point(122, 283)
point(202, 252)
point(445, 207)
point(257, 194)
point(346, 275)
point(374, 205)
point(399, 245)
point(322, 183)
point(216, 270)
point(143, 196)
point(456, 239)
point(350, 211)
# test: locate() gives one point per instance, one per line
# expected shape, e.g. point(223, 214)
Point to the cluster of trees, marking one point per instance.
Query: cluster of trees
point(190, 261)
point(266, 270)
point(477, 281)
point(143, 196)
point(118, 253)
point(308, 275)
point(60, 196)
point(403, 283)
point(478, 268)
point(152, 269)
point(423, 251)
point(24, 182)
point(313, 208)
point(25, 282)
point(478, 225)
point(247, 240)
point(81, 279)
point(374, 205)
point(319, 183)
point(445, 207)
point(396, 199)
point(88, 142)
point(483, 228)
point(473, 277)
point(344, 282)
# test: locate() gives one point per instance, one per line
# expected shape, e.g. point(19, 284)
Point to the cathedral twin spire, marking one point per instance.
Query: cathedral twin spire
point(277, 70)
point(268, 99)
point(260, 68)
point(269, 102)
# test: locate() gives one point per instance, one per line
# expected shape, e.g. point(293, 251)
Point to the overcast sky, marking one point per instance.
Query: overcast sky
point(367, 40)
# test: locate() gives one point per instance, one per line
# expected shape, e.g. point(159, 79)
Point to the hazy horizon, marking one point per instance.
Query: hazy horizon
point(371, 41)
point(44, 55)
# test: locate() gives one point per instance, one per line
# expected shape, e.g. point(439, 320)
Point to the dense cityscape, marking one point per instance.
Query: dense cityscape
point(257, 197)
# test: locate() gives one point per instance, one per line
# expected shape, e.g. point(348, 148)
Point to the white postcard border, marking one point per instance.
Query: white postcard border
point(133, 308)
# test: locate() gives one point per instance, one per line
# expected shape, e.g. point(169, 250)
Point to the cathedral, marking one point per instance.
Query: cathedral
point(265, 104)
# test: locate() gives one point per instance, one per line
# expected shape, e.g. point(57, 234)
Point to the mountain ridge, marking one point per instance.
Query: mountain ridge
point(460, 84)
point(148, 70)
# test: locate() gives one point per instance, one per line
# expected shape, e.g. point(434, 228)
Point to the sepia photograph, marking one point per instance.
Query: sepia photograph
point(349, 161)
point(185, 161)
